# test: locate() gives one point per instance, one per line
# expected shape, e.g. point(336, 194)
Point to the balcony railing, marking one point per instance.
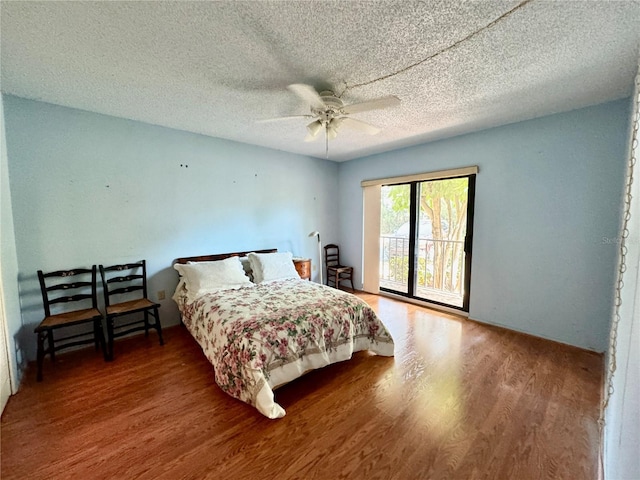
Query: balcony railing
point(440, 267)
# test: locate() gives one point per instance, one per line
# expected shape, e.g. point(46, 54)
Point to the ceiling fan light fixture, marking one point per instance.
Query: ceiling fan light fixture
point(314, 128)
point(332, 132)
point(332, 127)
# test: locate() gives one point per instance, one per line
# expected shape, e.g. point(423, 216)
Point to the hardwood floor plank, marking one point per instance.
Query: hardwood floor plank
point(458, 400)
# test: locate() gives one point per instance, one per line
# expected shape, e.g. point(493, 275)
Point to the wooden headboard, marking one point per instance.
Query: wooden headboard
point(220, 256)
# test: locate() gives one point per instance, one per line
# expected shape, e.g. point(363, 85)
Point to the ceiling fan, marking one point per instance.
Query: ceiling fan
point(329, 112)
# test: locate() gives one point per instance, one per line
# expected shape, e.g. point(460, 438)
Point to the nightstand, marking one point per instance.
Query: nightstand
point(303, 267)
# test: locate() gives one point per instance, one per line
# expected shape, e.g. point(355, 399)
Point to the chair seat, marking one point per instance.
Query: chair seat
point(68, 318)
point(130, 306)
point(339, 269)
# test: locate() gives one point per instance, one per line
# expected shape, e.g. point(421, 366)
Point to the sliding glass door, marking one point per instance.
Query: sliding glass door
point(425, 241)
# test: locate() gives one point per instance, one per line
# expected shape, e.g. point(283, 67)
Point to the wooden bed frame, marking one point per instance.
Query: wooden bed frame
point(220, 256)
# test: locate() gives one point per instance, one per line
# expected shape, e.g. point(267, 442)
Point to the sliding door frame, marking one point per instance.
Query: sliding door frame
point(413, 224)
point(468, 242)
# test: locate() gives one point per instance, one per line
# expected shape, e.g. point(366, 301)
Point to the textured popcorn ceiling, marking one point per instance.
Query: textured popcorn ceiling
point(216, 68)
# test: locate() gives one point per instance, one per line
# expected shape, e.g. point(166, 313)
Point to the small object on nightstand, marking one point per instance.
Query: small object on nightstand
point(303, 267)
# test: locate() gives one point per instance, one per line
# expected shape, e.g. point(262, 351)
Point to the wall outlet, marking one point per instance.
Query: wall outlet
point(161, 295)
point(315, 267)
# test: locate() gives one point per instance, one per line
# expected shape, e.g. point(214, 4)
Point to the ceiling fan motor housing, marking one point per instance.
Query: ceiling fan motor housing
point(331, 101)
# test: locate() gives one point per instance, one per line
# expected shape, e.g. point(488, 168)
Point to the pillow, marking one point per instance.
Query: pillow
point(246, 265)
point(272, 266)
point(206, 277)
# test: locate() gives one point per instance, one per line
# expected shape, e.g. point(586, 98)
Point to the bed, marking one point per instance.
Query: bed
point(261, 326)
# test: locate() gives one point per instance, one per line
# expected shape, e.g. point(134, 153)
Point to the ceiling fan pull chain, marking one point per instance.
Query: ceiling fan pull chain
point(326, 141)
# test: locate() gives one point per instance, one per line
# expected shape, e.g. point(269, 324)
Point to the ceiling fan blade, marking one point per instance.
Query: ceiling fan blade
point(278, 119)
point(308, 94)
point(383, 102)
point(311, 138)
point(359, 125)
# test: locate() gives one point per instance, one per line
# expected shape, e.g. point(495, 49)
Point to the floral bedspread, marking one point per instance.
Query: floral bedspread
point(261, 337)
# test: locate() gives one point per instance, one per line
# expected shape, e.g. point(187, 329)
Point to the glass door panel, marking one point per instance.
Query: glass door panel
point(395, 231)
point(442, 229)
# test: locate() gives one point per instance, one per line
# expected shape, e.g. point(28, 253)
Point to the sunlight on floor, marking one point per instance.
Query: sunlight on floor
point(428, 353)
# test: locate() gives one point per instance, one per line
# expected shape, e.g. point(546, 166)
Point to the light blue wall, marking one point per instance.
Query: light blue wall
point(546, 217)
point(89, 188)
point(9, 266)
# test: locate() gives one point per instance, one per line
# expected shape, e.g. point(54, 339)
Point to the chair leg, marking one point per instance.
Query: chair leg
point(109, 339)
point(158, 326)
point(100, 339)
point(40, 355)
point(52, 350)
point(96, 334)
point(337, 281)
point(146, 323)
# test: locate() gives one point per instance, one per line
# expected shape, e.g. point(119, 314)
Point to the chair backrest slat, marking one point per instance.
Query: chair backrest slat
point(70, 298)
point(128, 278)
point(68, 286)
point(135, 276)
point(331, 255)
point(124, 266)
point(127, 289)
point(54, 282)
point(67, 273)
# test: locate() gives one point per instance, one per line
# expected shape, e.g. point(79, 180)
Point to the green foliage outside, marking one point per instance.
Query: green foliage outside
point(399, 270)
point(392, 215)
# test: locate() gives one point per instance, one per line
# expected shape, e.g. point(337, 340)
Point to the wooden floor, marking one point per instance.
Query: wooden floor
point(460, 400)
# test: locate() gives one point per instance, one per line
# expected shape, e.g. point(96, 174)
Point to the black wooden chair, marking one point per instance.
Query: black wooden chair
point(75, 291)
point(128, 284)
point(336, 272)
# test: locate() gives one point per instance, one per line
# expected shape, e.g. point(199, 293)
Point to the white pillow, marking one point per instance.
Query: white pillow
point(272, 266)
point(206, 277)
point(246, 265)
